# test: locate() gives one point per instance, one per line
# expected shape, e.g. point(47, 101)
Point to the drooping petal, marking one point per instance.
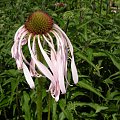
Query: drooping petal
point(32, 68)
point(50, 44)
point(61, 72)
point(55, 90)
point(24, 41)
point(52, 50)
point(74, 71)
point(43, 69)
point(28, 77)
point(63, 46)
point(60, 62)
point(20, 59)
point(47, 59)
point(19, 32)
point(16, 50)
point(65, 50)
point(73, 66)
point(32, 63)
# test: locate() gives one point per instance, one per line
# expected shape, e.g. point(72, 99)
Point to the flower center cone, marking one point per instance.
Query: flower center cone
point(39, 23)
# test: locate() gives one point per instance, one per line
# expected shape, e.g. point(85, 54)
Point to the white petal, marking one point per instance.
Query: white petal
point(20, 59)
point(43, 69)
point(32, 63)
point(61, 62)
point(73, 66)
point(57, 93)
point(50, 44)
point(19, 32)
point(74, 71)
point(28, 77)
point(61, 72)
point(47, 59)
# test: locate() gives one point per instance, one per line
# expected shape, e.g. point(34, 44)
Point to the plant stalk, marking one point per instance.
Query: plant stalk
point(39, 85)
point(49, 104)
point(101, 1)
point(39, 99)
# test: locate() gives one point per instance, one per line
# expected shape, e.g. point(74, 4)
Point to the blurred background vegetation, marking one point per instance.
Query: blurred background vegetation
point(93, 27)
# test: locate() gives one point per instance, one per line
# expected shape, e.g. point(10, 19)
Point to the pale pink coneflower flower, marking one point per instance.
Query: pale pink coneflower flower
point(40, 28)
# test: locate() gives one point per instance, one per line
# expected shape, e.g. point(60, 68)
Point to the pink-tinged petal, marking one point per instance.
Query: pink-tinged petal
point(43, 69)
point(50, 39)
point(53, 57)
point(47, 59)
point(20, 59)
point(32, 63)
point(60, 62)
point(52, 53)
point(73, 66)
point(14, 50)
point(28, 77)
point(74, 71)
point(62, 43)
point(17, 37)
point(55, 91)
point(19, 32)
point(15, 54)
point(32, 69)
point(65, 49)
point(61, 72)
point(50, 44)
point(24, 41)
point(59, 42)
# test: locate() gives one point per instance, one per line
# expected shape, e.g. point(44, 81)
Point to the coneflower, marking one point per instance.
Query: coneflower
point(40, 28)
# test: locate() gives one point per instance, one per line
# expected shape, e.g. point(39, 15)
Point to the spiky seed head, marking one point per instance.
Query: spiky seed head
point(39, 23)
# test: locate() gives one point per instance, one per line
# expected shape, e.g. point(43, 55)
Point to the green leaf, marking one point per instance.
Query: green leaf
point(85, 23)
point(14, 85)
point(75, 94)
point(82, 56)
point(87, 86)
point(4, 102)
point(95, 106)
point(99, 54)
point(104, 41)
point(66, 111)
point(115, 60)
point(26, 106)
point(61, 116)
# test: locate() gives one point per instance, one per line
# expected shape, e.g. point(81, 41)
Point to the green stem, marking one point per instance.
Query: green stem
point(67, 26)
point(39, 99)
point(101, 1)
point(17, 103)
point(39, 86)
point(49, 104)
point(54, 115)
point(81, 12)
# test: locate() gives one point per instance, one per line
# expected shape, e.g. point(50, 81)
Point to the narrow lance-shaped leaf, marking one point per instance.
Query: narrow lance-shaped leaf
point(89, 87)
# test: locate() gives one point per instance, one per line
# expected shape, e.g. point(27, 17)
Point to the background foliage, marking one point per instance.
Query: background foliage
point(94, 30)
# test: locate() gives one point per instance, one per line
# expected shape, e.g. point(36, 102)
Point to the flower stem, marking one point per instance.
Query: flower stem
point(39, 99)
point(49, 104)
point(39, 86)
point(54, 115)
